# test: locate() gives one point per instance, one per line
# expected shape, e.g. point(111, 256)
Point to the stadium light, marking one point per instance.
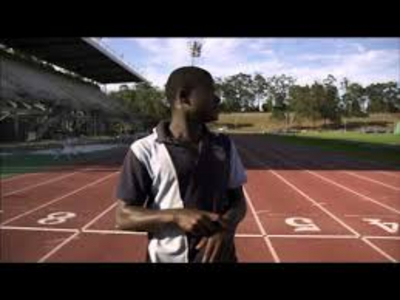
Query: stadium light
point(195, 48)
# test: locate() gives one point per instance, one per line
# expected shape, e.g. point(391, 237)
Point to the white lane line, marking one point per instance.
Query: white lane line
point(246, 235)
point(371, 216)
point(325, 210)
point(388, 174)
point(18, 177)
point(258, 212)
point(41, 183)
point(373, 180)
point(99, 216)
point(384, 237)
point(58, 247)
point(58, 198)
point(260, 226)
point(392, 209)
point(372, 245)
point(38, 229)
point(84, 230)
point(310, 236)
point(316, 203)
point(101, 231)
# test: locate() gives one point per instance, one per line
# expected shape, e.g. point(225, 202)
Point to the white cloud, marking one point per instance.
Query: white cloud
point(165, 52)
point(364, 66)
point(229, 56)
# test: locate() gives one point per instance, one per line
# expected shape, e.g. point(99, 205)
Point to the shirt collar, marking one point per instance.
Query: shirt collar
point(164, 135)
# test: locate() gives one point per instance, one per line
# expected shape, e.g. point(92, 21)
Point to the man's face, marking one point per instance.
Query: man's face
point(204, 103)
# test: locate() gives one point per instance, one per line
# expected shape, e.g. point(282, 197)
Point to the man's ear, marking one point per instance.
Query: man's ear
point(184, 96)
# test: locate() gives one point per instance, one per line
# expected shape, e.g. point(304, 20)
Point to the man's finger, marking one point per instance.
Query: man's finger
point(207, 252)
point(215, 251)
point(202, 243)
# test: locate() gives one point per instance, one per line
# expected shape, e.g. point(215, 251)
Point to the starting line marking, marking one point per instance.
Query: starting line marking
point(101, 231)
point(384, 237)
point(372, 216)
point(239, 235)
point(313, 236)
point(113, 232)
point(39, 229)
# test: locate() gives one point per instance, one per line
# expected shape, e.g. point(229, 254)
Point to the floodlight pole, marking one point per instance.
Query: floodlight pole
point(195, 48)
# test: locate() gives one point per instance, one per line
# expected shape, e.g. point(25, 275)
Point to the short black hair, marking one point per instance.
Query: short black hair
point(186, 78)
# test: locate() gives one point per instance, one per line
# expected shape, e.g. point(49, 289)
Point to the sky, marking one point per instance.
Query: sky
point(363, 60)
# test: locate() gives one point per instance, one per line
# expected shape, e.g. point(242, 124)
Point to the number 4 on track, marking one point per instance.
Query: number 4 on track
point(391, 227)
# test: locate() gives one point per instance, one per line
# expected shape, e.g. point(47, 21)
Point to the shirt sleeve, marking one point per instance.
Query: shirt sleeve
point(237, 176)
point(134, 185)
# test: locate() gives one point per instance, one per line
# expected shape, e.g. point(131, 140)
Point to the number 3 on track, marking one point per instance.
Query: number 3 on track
point(302, 224)
point(56, 218)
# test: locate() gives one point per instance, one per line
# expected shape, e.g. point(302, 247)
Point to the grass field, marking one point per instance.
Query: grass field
point(384, 147)
point(262, 122)
point(374, 151)
point(374, 138)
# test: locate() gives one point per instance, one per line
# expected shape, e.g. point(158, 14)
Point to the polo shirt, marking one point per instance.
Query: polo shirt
point(160, 172)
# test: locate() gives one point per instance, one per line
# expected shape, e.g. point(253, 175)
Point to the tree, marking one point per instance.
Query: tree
point(317, 95)
point(278, 93)
point(329, 109)
point(144, 100)
point(354, 99)
point(237, 91)
point(260, 88)
point(383, 97)
point(391, 97)
point(300, 102)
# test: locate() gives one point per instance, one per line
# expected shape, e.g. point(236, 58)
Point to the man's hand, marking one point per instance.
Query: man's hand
point(197, 222)
point(217, 244)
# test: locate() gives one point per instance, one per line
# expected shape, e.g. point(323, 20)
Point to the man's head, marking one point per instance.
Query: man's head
point(191, 91)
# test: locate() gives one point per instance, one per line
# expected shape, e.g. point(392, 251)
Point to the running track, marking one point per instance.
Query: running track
point(297, 211)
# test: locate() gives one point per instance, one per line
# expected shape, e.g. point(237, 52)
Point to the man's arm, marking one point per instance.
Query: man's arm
point(237, 210)
point(193, 221)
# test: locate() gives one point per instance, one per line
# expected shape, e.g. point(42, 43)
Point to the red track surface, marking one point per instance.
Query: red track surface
point(295, 213)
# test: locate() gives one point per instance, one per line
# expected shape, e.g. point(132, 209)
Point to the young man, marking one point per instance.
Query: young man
point(183, 184)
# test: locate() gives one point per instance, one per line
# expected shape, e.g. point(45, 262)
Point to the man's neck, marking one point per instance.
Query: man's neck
point(186, 130)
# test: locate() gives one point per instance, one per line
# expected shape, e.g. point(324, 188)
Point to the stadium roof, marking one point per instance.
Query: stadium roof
point(25, 84)
point(84, 56)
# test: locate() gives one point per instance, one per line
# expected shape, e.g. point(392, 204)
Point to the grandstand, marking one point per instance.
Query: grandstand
point(52, 85)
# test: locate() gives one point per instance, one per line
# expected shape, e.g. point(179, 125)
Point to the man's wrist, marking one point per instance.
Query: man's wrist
point(228, 222)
